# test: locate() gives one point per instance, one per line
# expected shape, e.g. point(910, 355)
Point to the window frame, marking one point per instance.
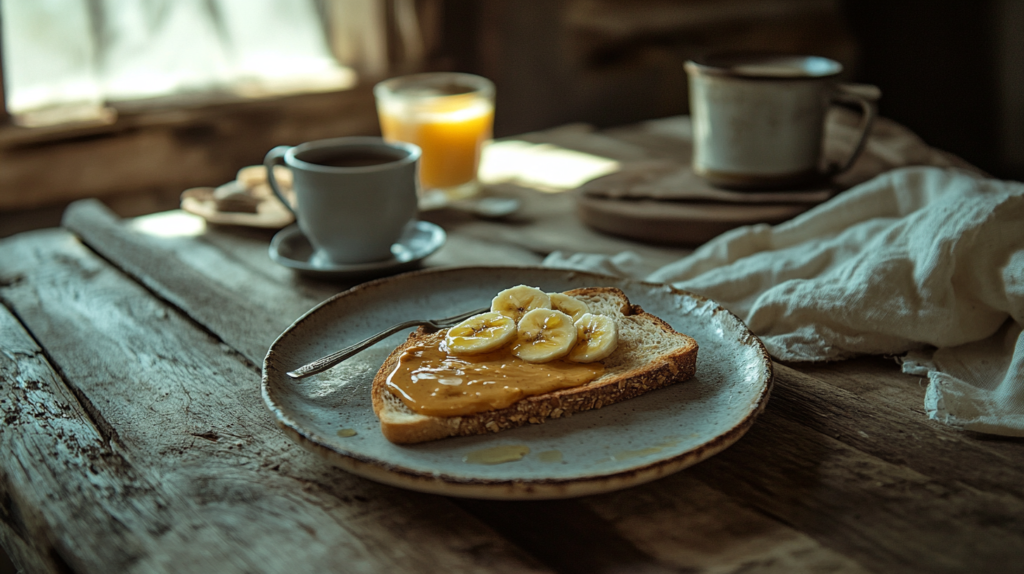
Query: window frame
point(49, 165)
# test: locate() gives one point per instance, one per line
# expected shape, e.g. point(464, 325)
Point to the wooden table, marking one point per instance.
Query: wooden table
point(134, 437)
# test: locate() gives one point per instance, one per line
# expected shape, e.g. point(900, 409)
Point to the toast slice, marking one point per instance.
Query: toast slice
point(650, 355)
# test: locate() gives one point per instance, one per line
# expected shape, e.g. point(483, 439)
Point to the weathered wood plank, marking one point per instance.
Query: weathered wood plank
point(668, 526)
point(693, 526)
point(887, 516)
point(202, 280)
point(567, 535)
point(187, 417)
point(224, 278)
point(610, 550)
point(895, 432)
point(828, 494)
point(70, 500)
point(17, 551)
point(879, 382)
point(875, 379)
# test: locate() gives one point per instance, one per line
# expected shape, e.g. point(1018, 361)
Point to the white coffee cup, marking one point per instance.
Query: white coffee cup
point(758, 119)
point(354, 195)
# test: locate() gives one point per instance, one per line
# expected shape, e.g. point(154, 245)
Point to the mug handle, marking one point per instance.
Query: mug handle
point(866, 96)
point(275, 157)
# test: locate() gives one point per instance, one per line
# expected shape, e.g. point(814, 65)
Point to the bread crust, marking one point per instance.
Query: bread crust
point(672, 367)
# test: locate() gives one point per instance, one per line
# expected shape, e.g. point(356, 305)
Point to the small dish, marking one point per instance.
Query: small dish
point(292, 249)
point(676, 222)
point(270, 213)
point(667, 203)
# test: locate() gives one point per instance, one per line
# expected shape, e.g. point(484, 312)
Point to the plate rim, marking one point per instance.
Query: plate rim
point(512, 489)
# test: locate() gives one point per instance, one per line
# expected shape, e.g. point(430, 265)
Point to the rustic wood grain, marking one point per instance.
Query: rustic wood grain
point(688, 524)
point(71, 501)
point(829, 480)
point(224, 278)
point(843, 473)
point(872, 379)
point(546, 522)
point(878, 381)
point(198, 447)
point(914, 512)
point(214, 287)
point(898, 433)
point(668, 526)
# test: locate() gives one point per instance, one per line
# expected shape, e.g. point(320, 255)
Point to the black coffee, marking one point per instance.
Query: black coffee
point(354, 158)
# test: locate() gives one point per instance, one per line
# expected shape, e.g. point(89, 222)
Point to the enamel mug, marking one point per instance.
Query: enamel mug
point(758, 119)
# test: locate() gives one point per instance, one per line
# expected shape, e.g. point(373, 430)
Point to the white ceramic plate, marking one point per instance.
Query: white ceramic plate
point(617, 446)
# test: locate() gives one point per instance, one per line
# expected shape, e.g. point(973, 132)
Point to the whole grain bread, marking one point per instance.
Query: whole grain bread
point(650, 355)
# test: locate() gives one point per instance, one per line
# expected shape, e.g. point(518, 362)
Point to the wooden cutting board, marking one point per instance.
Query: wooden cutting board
point(665, 202)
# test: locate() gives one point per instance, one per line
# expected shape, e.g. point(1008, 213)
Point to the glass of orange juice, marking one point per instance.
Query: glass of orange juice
point(450, 116)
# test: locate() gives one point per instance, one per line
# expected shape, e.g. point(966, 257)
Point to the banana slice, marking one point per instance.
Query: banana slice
point(516, 301)
point(480, 334)
point(596, 338)
point(571, 306)
point(544, 335)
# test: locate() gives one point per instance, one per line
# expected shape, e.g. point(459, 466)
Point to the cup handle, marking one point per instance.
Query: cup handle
point(866, 96)
point(275, 157)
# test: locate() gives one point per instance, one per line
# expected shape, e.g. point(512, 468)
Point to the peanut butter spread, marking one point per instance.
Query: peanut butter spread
point(432, 381)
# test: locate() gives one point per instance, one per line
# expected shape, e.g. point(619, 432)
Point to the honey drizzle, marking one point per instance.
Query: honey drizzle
point(497, 454)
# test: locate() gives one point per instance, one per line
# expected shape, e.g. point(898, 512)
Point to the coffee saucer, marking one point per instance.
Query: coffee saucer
point(292, 249)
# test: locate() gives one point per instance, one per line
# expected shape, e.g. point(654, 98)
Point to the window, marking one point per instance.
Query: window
point(141, 99)
point(79, 60)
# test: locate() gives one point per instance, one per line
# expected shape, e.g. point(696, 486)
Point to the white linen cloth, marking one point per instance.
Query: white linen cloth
point(922, 261)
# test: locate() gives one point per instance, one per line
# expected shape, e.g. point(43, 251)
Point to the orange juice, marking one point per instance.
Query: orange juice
point(449, 116)
point(451, 135)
